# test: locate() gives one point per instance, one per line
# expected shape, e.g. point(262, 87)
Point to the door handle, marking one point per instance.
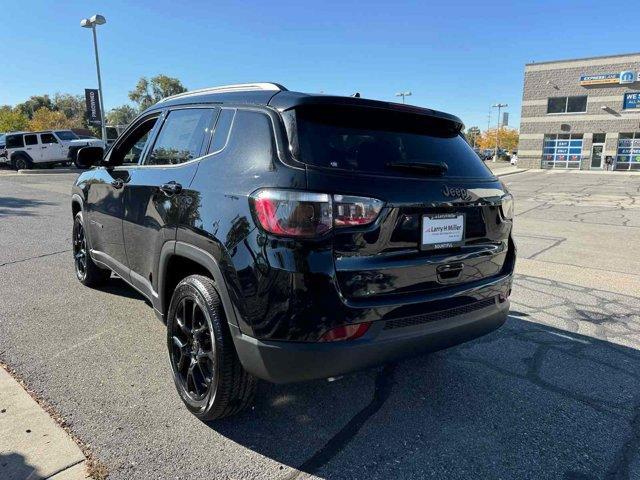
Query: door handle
point(44, 147)
point(171, 188)
point(117, 183)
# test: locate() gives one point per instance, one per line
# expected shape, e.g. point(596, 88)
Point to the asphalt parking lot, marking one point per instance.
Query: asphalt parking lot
point(553, 394)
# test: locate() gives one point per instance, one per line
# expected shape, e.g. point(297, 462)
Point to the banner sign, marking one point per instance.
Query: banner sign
point(621, 78)
point(631, 100)
point(602, 79)
point(91, 98)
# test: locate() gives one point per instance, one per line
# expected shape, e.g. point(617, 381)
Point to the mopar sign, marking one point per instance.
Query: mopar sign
point(94, 115)
point(627, 77)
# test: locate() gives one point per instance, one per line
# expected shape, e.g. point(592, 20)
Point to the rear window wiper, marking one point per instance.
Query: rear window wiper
point(426, 168)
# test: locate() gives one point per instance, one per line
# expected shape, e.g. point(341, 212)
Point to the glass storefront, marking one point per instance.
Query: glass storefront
point(562, 151)
point(628, 155)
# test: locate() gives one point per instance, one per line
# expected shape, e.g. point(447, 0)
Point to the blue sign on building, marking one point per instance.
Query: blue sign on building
point(628, 76)
point(631, 100)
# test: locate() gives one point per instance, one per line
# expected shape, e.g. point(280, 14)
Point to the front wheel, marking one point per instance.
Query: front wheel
point(207, 372)
point(87, 272)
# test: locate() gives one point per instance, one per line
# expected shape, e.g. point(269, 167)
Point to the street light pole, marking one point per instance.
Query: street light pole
point(499, 106)
point(92, 23)
point(403, 94)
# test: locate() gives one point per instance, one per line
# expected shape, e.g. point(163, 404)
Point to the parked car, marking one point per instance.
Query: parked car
point(46, 148)
point(113, 132)
point(286, 236)
point(3, 146)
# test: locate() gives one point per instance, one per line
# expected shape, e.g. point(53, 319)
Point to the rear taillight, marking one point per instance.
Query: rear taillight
point(292, 213)
point(346, 332)
point(350, 211)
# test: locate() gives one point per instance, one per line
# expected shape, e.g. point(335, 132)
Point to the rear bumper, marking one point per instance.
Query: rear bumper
point(283, 361)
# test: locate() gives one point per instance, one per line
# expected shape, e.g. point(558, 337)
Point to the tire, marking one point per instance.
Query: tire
point(20, 162)
point(200, 348)
point(89, 274)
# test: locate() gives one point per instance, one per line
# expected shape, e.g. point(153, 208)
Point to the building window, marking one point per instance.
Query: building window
point(562, 151)
point(599, 137)
point(628, 155)
point(567, 104)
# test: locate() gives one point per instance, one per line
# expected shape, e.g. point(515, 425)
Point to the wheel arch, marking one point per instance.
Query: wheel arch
point(76, 204)
point(178, 260)
point(18, 154)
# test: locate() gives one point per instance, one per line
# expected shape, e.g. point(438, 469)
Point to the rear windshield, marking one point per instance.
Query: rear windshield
point(373, 141)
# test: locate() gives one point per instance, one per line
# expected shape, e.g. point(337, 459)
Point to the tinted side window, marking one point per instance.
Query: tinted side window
point(251, 140)
point(221, 134)
point(129, 149)
point(31, 139)
point(48, 138)
point(182, 136)
point(15, 141)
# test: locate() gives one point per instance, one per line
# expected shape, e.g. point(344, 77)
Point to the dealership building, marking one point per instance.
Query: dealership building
point(576, 113)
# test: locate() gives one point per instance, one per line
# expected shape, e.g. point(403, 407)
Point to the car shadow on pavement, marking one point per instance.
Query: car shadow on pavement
point(20, 206)
point(527, 401)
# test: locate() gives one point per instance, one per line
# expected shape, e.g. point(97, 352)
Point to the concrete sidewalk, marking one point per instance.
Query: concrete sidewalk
point(32, 445)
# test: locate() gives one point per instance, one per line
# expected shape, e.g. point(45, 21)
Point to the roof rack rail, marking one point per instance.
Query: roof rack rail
point(237, 87)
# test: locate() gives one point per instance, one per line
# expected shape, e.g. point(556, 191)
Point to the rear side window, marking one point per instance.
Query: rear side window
point(31, 139)
point(379, 141)
point(251, 140)
point(182, 136)
point(15, 141)
point(221, 135)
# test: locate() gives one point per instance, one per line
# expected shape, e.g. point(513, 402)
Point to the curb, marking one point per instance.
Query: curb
point(58, 171)
point(34, 439)
point(513, 172)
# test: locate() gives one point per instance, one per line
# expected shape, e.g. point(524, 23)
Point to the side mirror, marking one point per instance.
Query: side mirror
point(89, 157)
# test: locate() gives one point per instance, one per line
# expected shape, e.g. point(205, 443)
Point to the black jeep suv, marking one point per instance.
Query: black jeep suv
point(289, 237)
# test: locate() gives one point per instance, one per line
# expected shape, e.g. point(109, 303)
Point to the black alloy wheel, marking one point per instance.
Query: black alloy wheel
point(86, 270)
point(79, 250)
point(206, 369)
point(192, 350)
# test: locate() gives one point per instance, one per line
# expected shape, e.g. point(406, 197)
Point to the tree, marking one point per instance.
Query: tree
point(73, 107)
point(122, 115)
point(12, 119)
point(148, 93)
point(45, 119)
point(472, 135)
point(508, 139)
point(35, 103)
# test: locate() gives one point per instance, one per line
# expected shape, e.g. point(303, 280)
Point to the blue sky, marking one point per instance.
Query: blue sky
point(455, 56)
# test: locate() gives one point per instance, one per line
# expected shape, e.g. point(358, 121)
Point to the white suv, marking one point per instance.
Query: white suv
point(28, 149)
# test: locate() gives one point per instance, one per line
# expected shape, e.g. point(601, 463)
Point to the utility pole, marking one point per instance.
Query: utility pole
point(499, 106)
